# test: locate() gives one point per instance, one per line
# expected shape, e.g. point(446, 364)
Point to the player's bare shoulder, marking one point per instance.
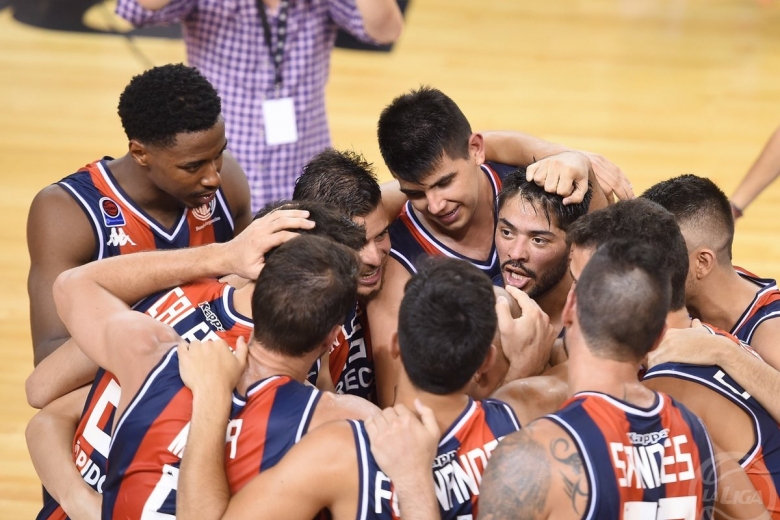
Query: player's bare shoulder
point(56, 220)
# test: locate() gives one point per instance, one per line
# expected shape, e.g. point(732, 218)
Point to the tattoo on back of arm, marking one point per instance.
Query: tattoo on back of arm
point(574, 478)
point(517, 480)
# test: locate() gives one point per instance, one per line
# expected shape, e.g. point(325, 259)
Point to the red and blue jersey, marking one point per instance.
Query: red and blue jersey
point(199, 311)
point(765, 306)
point(762, 460)
point(640, 462)
point(120, 226)
point(351, 360)
point(460, 461)
point(411, 241)
point(266, 424)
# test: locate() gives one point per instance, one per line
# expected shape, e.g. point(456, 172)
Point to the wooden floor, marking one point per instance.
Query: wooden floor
point(662, 87)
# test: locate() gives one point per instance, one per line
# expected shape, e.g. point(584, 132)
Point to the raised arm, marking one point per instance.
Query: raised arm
point(382, 19)
point(49, 440)
point(759, 176)
point(59, 237)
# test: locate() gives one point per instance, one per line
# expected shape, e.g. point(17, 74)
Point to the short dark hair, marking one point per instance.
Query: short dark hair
point(328, 222)
point(417, 129)
point(642, 221)
point(341, 178)
point(165, 101)
point(515, 185)
point(698, 202)
point(622, 300)
point(305, 289)
point(446, 324)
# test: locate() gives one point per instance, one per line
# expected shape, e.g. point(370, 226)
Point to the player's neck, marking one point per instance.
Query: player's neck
point(589, 373)
point(679, 319)
point(722, 297)
point(446, 408)
point(135, 182)
point(242, 299)
point(263, 363)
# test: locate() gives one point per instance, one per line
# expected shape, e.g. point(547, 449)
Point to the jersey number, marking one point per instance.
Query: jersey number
point(167, 483)
point(674, 508)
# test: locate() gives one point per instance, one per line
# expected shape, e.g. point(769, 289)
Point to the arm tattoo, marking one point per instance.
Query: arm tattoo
point(516, 481)
point(576, 487)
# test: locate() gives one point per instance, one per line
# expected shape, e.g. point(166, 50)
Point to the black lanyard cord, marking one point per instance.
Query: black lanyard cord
point(276, 52)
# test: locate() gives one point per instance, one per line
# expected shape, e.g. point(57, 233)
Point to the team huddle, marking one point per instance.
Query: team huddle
point(489, 335)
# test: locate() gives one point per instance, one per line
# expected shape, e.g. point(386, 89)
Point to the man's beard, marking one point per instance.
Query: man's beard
point(548, 279)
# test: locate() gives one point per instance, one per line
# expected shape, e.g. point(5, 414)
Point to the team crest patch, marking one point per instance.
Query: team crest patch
point(205, 211)
point(112, 213)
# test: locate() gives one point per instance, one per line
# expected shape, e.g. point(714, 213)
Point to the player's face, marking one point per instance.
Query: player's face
point(189, 170)
point(532, 251)
point(448, 196)
point(373, 256)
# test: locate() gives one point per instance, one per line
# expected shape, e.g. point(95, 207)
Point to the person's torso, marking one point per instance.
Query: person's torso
point(638, 459)
point(120, 226)
point(460, 461)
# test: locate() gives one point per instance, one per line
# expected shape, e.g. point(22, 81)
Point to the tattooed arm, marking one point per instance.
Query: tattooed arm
point(535, 473)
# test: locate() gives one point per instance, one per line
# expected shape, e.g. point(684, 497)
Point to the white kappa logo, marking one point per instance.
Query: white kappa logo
point(119, 238)
point(205, 211)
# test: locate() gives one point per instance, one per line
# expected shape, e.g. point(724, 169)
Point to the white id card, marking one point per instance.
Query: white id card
point(279, 118)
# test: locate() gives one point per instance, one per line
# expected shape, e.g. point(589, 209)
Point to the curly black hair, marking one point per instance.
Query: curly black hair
point(165, 101)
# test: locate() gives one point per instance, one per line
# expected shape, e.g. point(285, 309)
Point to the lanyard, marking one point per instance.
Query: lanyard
point(281, 33)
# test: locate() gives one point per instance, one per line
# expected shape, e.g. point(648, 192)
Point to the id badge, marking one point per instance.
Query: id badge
point(279, 119)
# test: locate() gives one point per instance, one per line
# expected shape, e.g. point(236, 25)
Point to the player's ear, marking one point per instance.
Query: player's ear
point(569, 308)
point(138, 152)
point(330, 339)
point(395, 349)
point(490, 360)
point(477, 147)
point(703, 260)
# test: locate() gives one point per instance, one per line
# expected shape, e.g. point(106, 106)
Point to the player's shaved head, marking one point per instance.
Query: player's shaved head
point(640, 221)
point(622, 300)
point(701, 209)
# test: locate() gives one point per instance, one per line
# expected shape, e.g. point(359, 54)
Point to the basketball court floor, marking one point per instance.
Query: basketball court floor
point(661, 87)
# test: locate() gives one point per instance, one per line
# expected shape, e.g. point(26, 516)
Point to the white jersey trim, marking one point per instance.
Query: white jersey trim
point(131, 206)
point(455, 429)
point(626, 407)
point(225, 209)
point(363, 513)
point(92, 216)
point(306, 414)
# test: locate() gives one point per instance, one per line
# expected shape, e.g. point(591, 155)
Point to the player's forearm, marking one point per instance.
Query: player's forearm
point(758, 378)
point(65, 370)
point(382, 19)
point(132, 277)
point(761, 174)
point(518, 149)
point(203, 491)
point(49, 441)
point(416, 497)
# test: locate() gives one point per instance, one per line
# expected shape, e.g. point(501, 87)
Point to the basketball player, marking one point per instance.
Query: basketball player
point(443, 339)
point(200, 310)
point(175, 187)
point(737, 423)
point(616, 449)
point(718, 293)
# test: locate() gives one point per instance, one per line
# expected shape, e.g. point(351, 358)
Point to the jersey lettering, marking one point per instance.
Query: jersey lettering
point(118, 238)
point(645, 467)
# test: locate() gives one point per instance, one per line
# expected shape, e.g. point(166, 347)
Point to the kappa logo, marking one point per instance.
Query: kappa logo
point(119, 238)
point(205, 211)
point(112, 213)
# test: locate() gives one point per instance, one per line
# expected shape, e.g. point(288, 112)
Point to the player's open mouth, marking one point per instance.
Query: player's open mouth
point(205, 199)
point(372, 277)
point(515, 279)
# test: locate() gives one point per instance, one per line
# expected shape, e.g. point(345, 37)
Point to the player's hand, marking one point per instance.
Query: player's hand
point(527, 340)
point(403, 445)
point(691, 345)
point(612, 180)
point(565, 173)
point(246, 253)
point(211, 367)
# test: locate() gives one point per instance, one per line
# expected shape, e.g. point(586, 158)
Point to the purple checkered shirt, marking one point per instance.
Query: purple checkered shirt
point(224, 40)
